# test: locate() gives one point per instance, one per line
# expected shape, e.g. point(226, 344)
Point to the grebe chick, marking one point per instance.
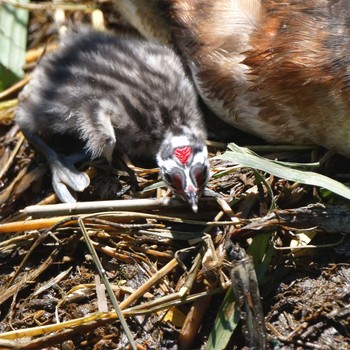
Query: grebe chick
point(116, 92)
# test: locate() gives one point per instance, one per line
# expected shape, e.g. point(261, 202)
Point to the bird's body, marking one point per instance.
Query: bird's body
point(277, 69)
point(114, 92)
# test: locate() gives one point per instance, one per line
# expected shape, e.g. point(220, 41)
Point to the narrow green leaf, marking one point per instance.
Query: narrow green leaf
point(225, 323)
point(302, 166)
point(154, 186)
point(261, 251)
point(261, 179)
point(249, 159)
point(13, 41)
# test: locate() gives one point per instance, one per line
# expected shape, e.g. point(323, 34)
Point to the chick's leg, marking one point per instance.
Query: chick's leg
point(65, 176)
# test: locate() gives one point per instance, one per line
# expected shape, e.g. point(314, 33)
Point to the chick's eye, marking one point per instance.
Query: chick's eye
point(205, 172)
point(176, 181)
point(173, 179)
point(200, 174)
point(167, 177)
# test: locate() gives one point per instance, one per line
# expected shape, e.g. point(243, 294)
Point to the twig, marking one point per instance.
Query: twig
point(149, 283)
point(78, 322)
point(168, 301)
point(91, 207)
point(104, 278)
point(330, 218)
point(15, 87)
point(35, 54)
point(44, 6)
point(32, 224)
point(38, 224)
point(12, 156)
point(57, 337)
point(32, 276)
point(36, 243)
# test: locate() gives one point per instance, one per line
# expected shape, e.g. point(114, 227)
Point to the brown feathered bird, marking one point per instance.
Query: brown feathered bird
point(277, 69)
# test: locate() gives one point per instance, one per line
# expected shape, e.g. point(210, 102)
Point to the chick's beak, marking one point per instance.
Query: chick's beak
point(192, 200)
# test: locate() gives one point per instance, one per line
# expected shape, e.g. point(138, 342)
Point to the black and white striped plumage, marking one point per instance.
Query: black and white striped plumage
point(117, 92)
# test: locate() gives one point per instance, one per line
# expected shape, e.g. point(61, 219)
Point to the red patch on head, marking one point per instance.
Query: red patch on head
point(183, 153)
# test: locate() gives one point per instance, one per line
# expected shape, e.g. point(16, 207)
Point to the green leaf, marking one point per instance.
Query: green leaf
point(225, 323)
point(250, 159)
point(261, 251)
point(302, 166)
point(13, 42)
point(261, 179)
point(154, 186)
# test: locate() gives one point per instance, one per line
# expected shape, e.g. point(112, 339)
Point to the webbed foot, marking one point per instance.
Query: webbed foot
point(66, 179)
